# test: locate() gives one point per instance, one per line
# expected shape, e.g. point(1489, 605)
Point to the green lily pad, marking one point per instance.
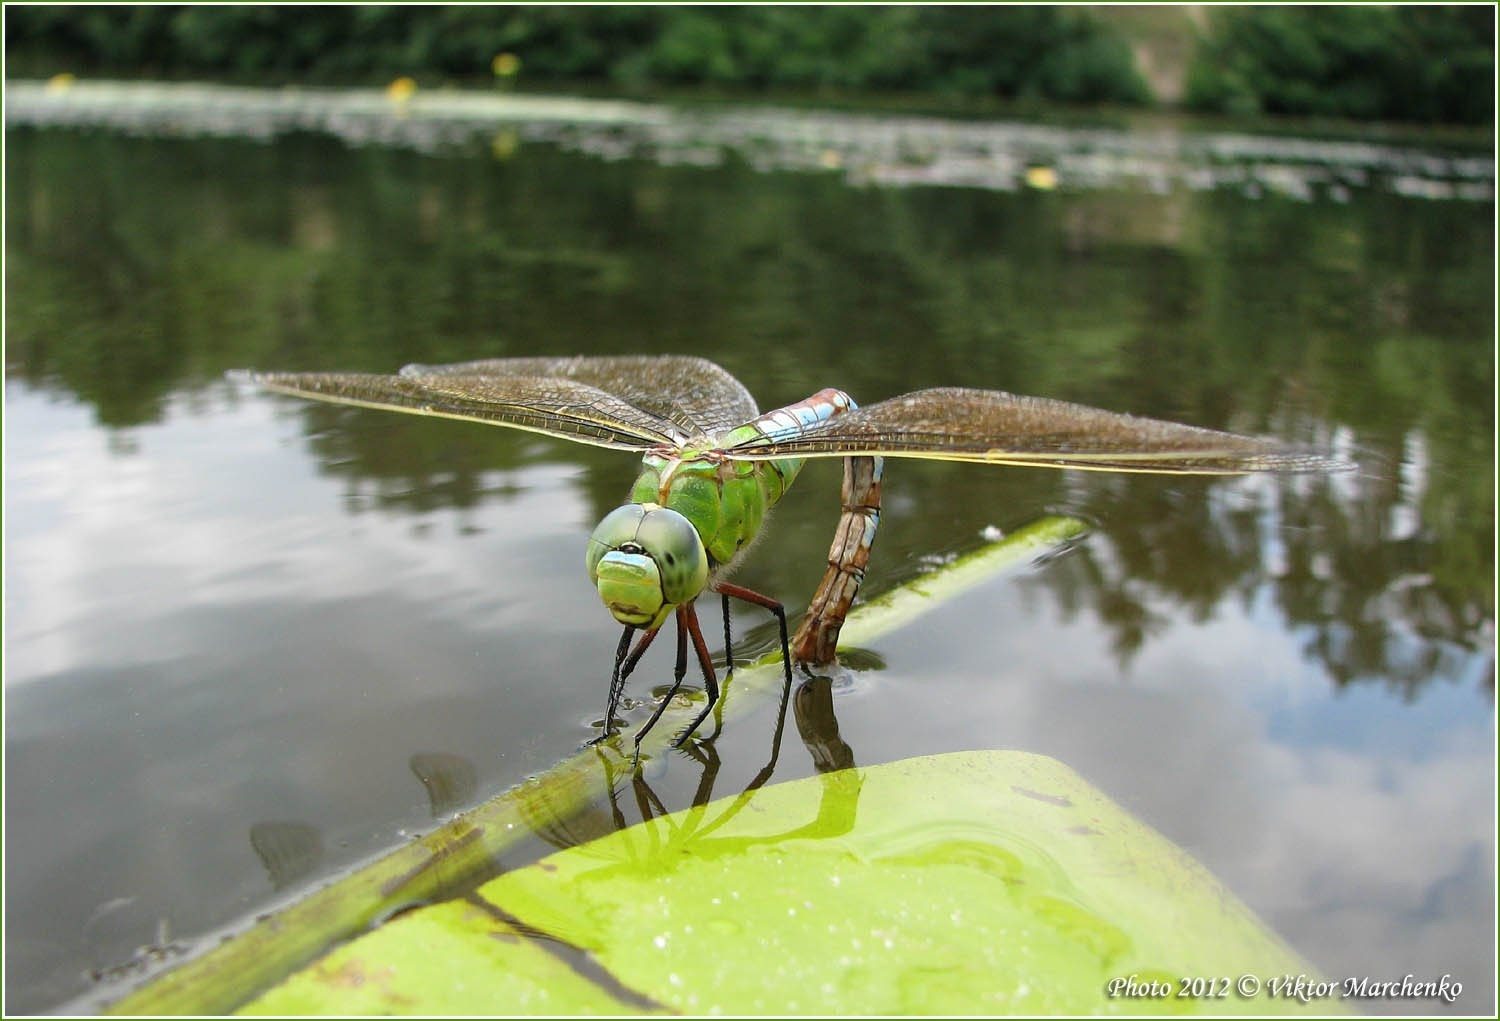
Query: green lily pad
point(465, 956)
point(974, 882)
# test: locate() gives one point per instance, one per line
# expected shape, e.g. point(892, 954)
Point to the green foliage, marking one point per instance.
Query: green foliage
point(1041, 52)
point(1418, 63)
point(1389, 63)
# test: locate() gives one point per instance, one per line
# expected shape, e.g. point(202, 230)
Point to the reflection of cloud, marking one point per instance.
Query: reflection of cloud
point(190, 650)
point(1363, 857)
point(216, 651)
point(143, 523)
point(1364, 837)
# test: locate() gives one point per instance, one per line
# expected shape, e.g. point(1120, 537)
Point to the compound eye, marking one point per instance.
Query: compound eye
point(673, 543)
point(616, 531)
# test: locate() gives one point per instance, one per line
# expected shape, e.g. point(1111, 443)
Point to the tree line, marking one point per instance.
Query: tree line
point(1429, 63)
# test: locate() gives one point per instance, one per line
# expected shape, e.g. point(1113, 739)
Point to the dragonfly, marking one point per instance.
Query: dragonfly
point(714, 464)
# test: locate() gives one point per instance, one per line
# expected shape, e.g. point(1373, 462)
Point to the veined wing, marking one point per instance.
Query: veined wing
point(552, 405)
point(694, 394)
point(999, 428)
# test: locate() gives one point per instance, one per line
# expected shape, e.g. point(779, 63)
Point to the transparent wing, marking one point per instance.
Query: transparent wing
point(553, 405)
point(694, 394)
point(999, 428)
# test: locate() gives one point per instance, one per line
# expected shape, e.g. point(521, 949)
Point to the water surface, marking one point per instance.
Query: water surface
point(247, 638)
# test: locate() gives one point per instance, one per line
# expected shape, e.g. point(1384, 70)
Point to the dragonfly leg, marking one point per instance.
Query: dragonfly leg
point(728, 642)
point(678, 673)
point(616, 685)
point(706, 663)
point(726, 589)
point(624, 665)
point(635, 657)
point(818, 636)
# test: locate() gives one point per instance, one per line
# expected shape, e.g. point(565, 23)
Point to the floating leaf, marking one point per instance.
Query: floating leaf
point(973, 882)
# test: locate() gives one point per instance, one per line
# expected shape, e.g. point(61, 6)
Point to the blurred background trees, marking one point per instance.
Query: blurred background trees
point(1391, 63)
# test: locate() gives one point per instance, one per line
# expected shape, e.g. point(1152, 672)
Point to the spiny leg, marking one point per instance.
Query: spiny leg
point(635, 656)
point(705, 661)
point(727, 589)
point(728, 655)
point(624, 665)
point(678, 673)
point(728, 642)
point(616, 685)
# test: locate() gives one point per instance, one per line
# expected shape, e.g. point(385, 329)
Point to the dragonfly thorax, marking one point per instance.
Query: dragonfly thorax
point(646, 560)
point(725, 498)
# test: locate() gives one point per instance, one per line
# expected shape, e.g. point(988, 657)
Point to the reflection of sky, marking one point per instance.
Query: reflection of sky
point(192, 650)
point(188, 517)
point(1360, 825)
point(1389, 724)
point(199, 639)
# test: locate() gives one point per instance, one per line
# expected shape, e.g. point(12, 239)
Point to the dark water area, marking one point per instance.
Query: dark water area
point(251, 641)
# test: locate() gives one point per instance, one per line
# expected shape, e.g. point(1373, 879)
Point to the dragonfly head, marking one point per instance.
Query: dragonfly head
point(646, 560)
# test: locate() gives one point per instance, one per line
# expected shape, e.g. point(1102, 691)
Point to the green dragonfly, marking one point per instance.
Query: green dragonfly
point(714, 465)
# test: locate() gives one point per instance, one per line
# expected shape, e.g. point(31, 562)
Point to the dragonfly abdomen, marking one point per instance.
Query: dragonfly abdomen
point(792, 419)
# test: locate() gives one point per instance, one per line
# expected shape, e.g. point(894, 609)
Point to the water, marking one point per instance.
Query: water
point(252, 641)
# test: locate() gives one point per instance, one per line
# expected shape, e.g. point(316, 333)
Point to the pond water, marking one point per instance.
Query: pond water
point(252, 641)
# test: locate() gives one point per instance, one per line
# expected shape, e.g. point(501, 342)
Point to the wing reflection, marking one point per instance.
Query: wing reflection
point(450, 780)
point(288, 850)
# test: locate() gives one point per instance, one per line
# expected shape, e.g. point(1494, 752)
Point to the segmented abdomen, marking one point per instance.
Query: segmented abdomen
point(792, 419)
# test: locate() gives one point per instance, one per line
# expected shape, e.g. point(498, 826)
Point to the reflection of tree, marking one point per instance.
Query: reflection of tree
point(1375, 606)
point(1369, 601)
point(396, 464)
point(136, 268)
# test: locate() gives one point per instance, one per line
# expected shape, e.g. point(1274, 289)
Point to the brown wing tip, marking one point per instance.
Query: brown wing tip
point(255, 377)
